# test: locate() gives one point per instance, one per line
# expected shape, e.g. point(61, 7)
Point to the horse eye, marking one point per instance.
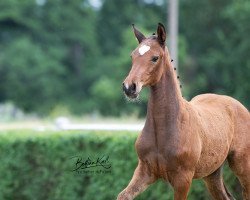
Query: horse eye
point(154, 58)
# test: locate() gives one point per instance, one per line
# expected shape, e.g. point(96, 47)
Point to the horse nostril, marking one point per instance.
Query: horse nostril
point(129, 89)
point(133, 87)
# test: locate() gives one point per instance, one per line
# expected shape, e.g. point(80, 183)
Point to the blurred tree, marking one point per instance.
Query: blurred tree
point(233, 59)
point(48, 51)
point(34, 81)
point(218, 45)
point(115, 17)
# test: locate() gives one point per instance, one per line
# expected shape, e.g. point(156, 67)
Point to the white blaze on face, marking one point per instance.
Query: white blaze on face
point(143, 49)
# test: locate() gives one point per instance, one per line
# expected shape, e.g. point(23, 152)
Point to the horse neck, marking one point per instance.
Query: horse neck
point(165, 101)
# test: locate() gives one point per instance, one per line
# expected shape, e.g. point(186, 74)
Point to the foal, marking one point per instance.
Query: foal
point(184, 140)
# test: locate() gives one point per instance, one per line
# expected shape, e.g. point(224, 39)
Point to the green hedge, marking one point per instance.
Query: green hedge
point(37, 166)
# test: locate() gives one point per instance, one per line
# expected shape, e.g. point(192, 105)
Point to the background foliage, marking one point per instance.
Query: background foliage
point(43, 166)
point(71, 54)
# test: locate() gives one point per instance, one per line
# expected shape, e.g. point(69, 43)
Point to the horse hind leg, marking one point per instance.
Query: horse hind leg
point(216, 187)
point(240, 165)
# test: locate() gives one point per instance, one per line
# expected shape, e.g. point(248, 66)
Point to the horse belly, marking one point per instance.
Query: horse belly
point(209, 162)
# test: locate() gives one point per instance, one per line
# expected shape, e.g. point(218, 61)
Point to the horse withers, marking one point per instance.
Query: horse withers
point(184, 140)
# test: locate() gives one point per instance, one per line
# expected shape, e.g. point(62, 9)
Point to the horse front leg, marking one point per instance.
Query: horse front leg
point(141, 179)
point(181, 182)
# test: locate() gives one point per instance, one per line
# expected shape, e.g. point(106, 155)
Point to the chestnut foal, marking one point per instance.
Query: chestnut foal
point(184, 140)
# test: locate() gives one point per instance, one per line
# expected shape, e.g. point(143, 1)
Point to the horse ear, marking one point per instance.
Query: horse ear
point(161, 34)
point(139, 36)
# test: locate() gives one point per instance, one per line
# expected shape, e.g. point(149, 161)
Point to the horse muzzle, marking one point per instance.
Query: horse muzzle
point(131, 90)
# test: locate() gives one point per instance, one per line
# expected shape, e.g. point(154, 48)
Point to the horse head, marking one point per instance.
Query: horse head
point(148, 62)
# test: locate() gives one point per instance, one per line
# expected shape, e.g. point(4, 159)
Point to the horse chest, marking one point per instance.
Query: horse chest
point(161, 155)
point(147, 144)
